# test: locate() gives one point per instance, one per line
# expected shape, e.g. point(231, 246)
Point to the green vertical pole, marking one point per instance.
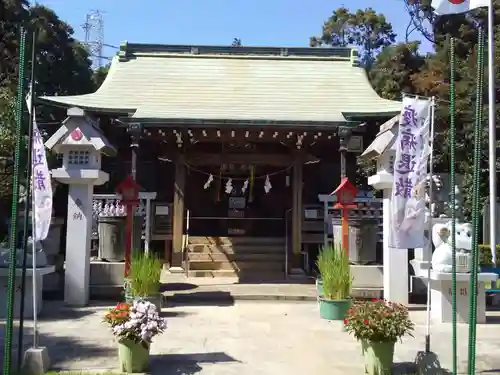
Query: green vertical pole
point(7, 355)
point(27, 220)
point(453, 205)
point(478, 129)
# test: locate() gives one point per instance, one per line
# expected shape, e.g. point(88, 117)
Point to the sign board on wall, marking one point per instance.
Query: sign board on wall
point(162, 219)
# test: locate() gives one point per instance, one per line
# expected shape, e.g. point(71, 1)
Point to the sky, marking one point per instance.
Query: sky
point(256, 22)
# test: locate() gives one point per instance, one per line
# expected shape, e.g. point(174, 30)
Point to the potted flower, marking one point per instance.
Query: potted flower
point(336, 279)
point(144, 279)
point(135, 326)
point(378, 324)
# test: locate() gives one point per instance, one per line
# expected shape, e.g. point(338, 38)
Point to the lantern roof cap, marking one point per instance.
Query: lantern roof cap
point(345, 185)
point(128, 183)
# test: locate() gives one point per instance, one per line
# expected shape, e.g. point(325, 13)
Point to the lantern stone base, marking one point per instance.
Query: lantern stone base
point(106, 280)
point(441, 296)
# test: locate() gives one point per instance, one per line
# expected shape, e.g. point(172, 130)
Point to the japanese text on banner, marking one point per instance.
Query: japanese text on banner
point(410, 172)
point(41, 186)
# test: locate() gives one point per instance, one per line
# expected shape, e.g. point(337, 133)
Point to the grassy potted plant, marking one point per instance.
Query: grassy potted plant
point(319, 287)
point(144, 278)
point(485, 259)
point(336, 279)
point(134, 325)
point(486, 265)
point(378, 324)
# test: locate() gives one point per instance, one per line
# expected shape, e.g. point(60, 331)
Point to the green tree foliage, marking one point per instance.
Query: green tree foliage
point(433, 80)
point(62, 67)
point(397, 68)
point(7, 140)
point(393, 69)
point(368, 30)
point(100, 75)
point(12, 14)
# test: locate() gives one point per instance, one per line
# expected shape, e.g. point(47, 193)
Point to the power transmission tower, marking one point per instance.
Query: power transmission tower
point(94, 37)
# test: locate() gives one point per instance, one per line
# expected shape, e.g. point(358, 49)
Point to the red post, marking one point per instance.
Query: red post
point(129, 191)
point(345, 230)
point(128, 238)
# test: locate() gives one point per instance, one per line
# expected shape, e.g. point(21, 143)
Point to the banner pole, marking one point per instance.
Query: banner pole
point(429, 236)
point(492, 131)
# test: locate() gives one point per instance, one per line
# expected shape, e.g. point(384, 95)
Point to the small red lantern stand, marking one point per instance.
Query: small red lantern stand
point(346, 193)
point(129, 192)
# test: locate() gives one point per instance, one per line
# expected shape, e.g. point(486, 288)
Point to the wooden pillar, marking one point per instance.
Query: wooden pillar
point(178, 215)
point(295, 258)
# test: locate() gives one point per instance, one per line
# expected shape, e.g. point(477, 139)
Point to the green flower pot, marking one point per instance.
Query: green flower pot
point(133, 357)
point(334, 310)
point(378, 356)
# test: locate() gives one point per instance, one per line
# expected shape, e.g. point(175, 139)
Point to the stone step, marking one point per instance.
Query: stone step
point(237, 240)
point(236, 249)
point(253, 275)
point(254, 266)
point(231, 257)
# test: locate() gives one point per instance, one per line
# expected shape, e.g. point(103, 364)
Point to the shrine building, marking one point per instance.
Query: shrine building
point(237, 143)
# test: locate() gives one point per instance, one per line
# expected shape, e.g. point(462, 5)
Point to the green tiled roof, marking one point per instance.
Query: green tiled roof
point(235, 83)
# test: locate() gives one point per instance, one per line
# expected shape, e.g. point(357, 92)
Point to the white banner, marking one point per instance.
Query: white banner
point(41, 185)
point(410, 172)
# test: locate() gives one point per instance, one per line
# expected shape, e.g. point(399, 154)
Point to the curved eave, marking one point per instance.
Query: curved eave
point(52, 101)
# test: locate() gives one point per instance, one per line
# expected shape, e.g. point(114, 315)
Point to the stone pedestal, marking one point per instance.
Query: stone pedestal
point(395, 261)
point(79, 231)
point(106, 279)
point(441, 296)
point(28, 296)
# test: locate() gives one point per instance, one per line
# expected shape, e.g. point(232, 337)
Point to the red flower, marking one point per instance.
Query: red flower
point(346, 321)
point(375, 300)
point(122, 306)
point(366, 321)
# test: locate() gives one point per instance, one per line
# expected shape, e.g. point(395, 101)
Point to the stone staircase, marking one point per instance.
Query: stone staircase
point(248, 258)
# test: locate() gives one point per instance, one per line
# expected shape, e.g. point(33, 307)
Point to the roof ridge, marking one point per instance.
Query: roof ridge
point(128, 50)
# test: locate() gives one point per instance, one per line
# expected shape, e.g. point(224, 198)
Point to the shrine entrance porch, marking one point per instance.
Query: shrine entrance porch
point(247, 258)
point(236, 220)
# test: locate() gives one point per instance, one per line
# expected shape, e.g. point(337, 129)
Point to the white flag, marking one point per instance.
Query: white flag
point(410, 172)
point(443, 7)
point(41, 187)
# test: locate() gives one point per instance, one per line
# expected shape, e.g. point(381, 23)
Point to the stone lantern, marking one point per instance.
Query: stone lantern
point(81, 144)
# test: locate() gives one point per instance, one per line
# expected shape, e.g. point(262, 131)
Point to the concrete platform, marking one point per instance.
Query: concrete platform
point(248, 338)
